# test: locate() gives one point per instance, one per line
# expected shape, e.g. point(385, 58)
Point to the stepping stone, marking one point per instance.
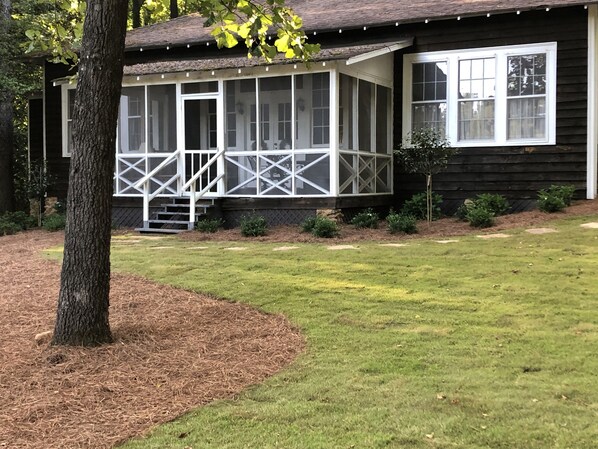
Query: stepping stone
point(444, 242)
point(285, 248)
point(198, 247)
point(161, 247)
point(126, 242)
point(235, 248)
point(538, 231)
point(394, 245)
point(341, 247)
point(592, 225)
point(493, 236)
point(150, 237)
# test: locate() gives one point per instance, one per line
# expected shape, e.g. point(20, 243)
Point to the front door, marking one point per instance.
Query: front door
point(201, 141)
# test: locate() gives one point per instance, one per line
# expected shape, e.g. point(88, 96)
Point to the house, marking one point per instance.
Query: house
point(512, 83)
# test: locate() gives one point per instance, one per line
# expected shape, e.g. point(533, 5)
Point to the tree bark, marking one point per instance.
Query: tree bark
point(174, 9)
point(136, 13)
point(6, 121)
point(82, 315)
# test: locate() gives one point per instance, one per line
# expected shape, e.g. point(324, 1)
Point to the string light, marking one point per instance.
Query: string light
point(427, 21)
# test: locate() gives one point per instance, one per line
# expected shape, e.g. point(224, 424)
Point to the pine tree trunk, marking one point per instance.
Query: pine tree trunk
point(82, 316)
point(6, 123)
point(174, 9)
point(429, 197)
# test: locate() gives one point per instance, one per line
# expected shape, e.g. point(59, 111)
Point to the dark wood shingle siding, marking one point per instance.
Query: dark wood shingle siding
point(58, 166)
point(516, 172)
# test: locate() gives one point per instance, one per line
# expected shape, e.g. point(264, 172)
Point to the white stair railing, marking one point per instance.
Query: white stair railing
point(145, 182)
point(190, 185)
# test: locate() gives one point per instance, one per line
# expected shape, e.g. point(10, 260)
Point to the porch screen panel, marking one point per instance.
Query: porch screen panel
point(162, 123)
point(347, 106)
point(383, 113)
point(240, 156)
point(275, 154)
point(366, 93)
point(320, 108)
point(131, 123)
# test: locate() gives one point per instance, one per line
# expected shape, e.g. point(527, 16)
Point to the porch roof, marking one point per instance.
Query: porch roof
point(356, 52)
point(326, 15)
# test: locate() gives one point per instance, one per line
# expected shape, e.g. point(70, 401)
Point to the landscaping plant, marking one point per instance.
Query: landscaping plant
point(320, 226)
point(479, 216)
point(417, 206)
point(253, 225)
point(366, 219)
point(401, 223)
point(426, 152)
point(555, 198)
point(54, 222)
point(209, 225)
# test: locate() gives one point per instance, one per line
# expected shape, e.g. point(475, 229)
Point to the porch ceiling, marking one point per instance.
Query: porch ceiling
point(360, 52)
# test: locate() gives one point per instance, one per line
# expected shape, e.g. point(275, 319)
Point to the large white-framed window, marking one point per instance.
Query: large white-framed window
point(496, 96)
point(68, 99)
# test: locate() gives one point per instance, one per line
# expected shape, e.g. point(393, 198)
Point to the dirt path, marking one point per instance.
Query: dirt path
point(174, 351)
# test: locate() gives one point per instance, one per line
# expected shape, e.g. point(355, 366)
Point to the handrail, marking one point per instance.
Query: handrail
point(206, 166)
point(164, 186)
point(211, 184)
point(153, 173)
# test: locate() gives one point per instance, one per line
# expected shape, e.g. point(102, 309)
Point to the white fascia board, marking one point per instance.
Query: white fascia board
point(382, 51)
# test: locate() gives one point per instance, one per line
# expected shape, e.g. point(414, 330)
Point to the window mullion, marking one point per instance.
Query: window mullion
point(452, 126)
point(500, 113)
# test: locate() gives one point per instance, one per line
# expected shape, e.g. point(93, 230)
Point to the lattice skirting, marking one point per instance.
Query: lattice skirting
point(274, 217)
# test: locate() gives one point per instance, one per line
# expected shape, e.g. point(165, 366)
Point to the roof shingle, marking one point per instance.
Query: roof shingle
point(322, 15)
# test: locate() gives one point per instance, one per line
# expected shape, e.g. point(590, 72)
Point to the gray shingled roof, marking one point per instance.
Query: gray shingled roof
point(241, 61)
point(322, 15)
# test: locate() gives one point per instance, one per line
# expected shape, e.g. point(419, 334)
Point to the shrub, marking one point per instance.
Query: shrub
point(366, 219)
point(497, 204)
point(8, 227)
point(479, 217)
point(416, 206)
point(555, 198)
point(324, 227)
point(209, 225)
point(309, 223)
point(253, 225)
point(401, 223)
point(463, 209)
point(20, 218)
point(54, 222)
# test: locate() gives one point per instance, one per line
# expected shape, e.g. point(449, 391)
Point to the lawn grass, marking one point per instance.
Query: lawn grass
point(475, 344)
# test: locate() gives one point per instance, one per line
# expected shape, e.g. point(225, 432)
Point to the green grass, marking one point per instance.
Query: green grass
point(476, 344)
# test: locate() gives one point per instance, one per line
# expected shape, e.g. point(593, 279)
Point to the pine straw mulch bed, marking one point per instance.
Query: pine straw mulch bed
point(174, 351)
point(445, 227)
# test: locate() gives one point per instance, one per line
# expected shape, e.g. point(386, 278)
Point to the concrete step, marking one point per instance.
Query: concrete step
point(159, 231)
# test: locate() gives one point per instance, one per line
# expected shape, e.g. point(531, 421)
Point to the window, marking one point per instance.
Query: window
point(68, 99)
point(131, 122)
point(483, 97)
point(321, 108)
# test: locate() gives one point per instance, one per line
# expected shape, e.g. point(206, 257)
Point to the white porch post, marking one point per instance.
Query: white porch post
point(592, 93)
point(220, 137)
point(334, 150)
point(180, 137)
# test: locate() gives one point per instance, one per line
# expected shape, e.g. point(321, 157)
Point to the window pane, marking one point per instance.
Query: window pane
point(365, 115)
point(431, 115)
point(162, 118)
point(132, 120)
point(526, 75)
point(429, 81)
point(527, 118)
point(477, 78)
point(476, 120)
point(200, 88)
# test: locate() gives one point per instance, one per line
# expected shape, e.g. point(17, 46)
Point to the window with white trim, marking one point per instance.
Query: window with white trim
point(68, 99)
point(483, 97)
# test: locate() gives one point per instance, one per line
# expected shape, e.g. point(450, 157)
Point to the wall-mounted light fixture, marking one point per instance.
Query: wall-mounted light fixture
point(240, 108)
point(301, 104)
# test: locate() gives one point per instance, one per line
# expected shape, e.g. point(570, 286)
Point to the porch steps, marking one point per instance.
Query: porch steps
point(174, 217)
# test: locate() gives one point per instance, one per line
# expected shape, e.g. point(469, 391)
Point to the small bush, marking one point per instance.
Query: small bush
point(555, 198)
point(54, 222)
point(325, 228)
point(463, 209)
point(497, 204)
point(209, 225)
point(401, 223)
point(366, 219)
point(9, 227)
point(479, 217)
point(20, 218)
point(309, 223)
point(416, 206)
point(253, 225)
